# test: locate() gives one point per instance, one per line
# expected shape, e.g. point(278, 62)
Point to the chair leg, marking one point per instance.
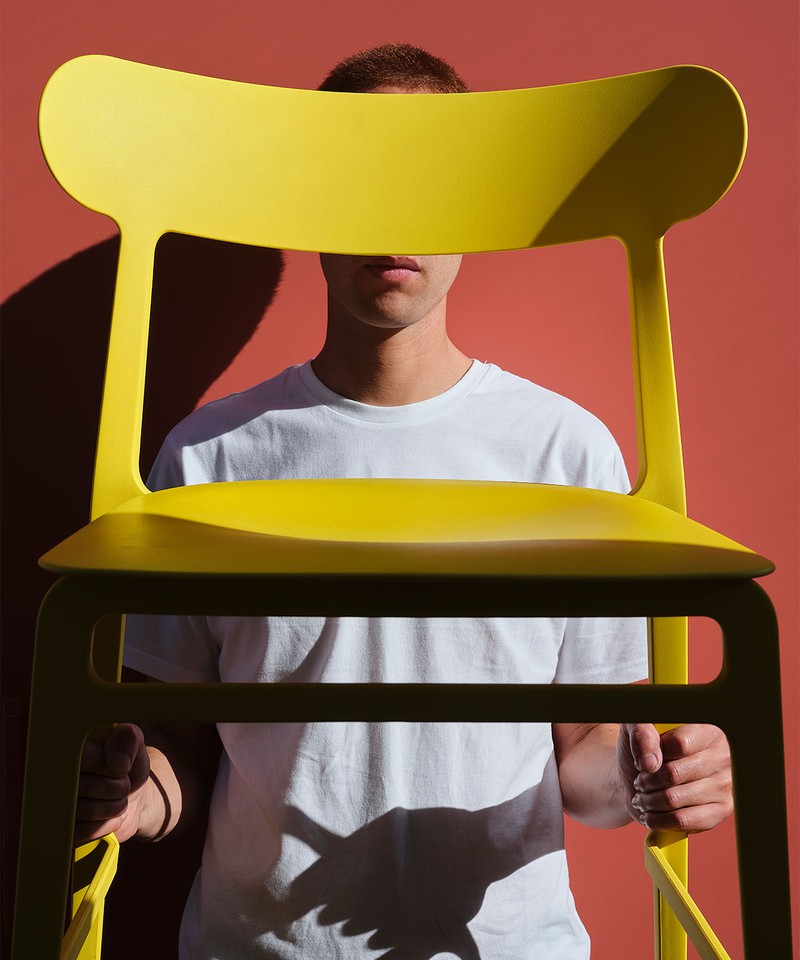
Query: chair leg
point(55, 739)
point(669, 657)
point(754, 727)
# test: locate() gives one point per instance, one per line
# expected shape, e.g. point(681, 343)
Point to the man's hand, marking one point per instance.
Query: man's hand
point(132, 788)
point(113, 780)
point(678, 780)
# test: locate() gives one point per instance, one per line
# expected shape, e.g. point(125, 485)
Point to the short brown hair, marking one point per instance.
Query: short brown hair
point(400, 64)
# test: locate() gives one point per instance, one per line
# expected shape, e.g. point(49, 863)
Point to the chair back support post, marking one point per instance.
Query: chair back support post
point(661, 479)
point(117, 476)
point(657, 420)
point(668, 653)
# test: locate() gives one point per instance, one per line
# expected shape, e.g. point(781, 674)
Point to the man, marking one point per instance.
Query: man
point(394, 840)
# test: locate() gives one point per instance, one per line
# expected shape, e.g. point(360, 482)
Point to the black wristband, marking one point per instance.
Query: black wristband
point(167, 807)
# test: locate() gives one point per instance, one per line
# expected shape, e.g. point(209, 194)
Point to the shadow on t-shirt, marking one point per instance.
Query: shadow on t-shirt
point(415, 878)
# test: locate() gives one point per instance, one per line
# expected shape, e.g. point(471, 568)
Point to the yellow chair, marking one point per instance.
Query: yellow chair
point(95, 866)
point(627, 157)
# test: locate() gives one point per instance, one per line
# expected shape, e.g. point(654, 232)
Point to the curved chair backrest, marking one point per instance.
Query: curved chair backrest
point(162, 151)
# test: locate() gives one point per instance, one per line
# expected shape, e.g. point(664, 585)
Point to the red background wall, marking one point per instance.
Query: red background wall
point(557, 316)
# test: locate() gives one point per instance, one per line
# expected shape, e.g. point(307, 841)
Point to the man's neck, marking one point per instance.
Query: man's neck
point(388, 368)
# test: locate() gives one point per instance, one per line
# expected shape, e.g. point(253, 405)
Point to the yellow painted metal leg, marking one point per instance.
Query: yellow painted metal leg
point(667, 884)
point(95, 866)
point(669, 664)
point(750, 677)
point(55, 738)
point(95, 863)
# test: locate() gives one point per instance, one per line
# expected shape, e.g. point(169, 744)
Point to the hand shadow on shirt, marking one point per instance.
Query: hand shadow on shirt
point(415, 878)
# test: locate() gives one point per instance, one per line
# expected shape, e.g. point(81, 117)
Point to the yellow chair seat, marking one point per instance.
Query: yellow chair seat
point(358, 527)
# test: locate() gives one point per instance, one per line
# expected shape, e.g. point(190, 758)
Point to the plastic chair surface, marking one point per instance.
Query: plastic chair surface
point(358, 527)
point(308, 170)
point(97, 863)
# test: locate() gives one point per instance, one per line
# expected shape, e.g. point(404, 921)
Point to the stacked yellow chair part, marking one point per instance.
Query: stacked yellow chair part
point(95, 866)
point(627, 157)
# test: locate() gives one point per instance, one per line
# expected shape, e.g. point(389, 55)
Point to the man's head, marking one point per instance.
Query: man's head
point(390, 292)
point(394, 65)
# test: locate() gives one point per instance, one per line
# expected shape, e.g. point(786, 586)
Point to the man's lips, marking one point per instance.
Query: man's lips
point(394, 269)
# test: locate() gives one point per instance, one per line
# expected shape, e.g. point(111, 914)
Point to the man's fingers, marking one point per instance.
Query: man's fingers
point(101, 806)
point(86, 830)
point(691, 753)
point(95, 787)
point(686, 819)
point(122, 748)
point(696, 793)
point(93, 758)
point(112, 772)
point(690, 790)
point(97, 811)
point(692, 738)
point(84, 833)
point(644, 744)
point(673, 772)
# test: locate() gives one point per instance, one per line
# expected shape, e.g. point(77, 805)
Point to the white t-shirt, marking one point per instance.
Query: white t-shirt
point(397, 840)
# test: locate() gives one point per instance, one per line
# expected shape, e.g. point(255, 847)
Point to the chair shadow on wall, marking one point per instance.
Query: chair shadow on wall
point(208, 300)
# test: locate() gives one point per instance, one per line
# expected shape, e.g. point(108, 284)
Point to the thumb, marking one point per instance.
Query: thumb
point(121, 748)
point(644, 743)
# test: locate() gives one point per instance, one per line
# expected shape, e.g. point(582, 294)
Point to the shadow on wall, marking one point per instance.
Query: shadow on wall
point(208, 300)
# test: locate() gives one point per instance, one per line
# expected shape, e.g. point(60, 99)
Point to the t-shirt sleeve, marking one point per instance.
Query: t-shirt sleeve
point(604, 649)
point(167, 470)
point(174, 649)
point(609, 472)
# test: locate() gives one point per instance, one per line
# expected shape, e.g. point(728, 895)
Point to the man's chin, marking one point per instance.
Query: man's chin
point(389, 323)
point(390, 316)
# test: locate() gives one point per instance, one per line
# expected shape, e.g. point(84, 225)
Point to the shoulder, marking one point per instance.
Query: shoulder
point(235, 411)
point(513, 394)
point(203, 445)
point(573, 446)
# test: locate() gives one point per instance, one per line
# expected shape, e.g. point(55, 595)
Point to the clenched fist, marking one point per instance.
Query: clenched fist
point(113, 779)
point(678, 780)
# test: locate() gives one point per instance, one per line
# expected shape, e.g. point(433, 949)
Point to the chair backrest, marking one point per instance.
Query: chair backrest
point(160, 151)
